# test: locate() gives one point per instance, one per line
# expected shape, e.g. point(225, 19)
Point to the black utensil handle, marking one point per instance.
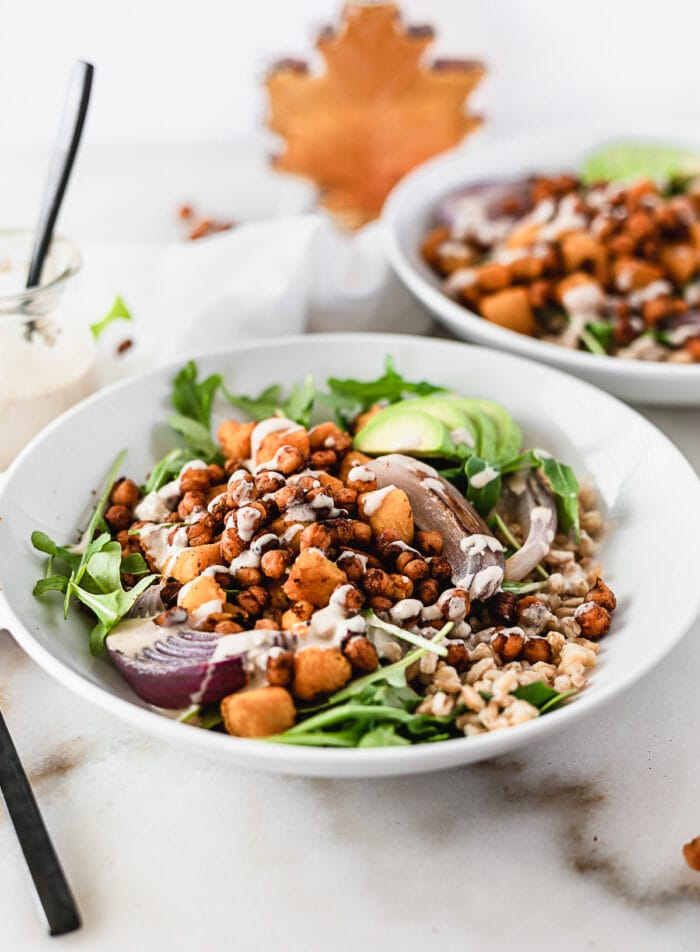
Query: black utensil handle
point(72, 122)
point(51, 885)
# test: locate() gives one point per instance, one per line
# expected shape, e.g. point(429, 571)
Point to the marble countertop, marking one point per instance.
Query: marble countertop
point(574, 844)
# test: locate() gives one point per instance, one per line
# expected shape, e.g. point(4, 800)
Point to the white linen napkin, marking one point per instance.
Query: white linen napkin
point(261, 279)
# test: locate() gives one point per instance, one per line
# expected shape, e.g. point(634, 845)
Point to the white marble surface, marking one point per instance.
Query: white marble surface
point(572, 845)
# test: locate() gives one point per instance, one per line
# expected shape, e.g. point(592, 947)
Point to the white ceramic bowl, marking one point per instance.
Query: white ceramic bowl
point(651, 493)
point(409, 214)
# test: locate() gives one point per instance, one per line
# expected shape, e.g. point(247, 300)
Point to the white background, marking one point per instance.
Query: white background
point(172, 71)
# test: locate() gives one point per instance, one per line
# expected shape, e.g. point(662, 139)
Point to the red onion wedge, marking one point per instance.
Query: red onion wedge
point(526, 498)
point(176, 667)
point(475, 554)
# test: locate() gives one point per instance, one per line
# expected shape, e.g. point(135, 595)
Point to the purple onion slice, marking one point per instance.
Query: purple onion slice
point(176, 667)
point(526, 498)
point(475, 554)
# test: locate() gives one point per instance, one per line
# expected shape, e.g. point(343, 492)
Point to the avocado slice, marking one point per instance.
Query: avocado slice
point(499, 437)
point(446, 409)
point(402, 429)
point(624, 161)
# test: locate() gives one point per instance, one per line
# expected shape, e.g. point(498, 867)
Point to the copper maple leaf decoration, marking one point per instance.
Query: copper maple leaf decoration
point(373, 114)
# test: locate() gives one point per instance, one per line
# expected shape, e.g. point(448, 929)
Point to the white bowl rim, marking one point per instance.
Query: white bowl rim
point(438, 301)
point(329, 761)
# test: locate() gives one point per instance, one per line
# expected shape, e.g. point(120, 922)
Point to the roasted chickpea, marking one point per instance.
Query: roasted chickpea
point(195, 481)
point(125, 492)
point(118, 518)
point(276, 562)
point(508, 643)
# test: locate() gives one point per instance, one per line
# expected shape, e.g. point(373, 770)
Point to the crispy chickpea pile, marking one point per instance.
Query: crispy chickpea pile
point(292, 538)
point(552, 255)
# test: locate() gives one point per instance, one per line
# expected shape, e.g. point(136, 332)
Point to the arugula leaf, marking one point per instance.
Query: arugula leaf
point(483, 498)
point(383, 736)
point(602, 337)
point(261, 407)
point(93, 570)
point(52, 583)
point(194, 398)
point(541, 696)
point(391, 386)
point(88, 544)
point(134, 564)
point(297, 406)
point(198, 439)
point(166, 469)
point(118, 312)
point(564, 485)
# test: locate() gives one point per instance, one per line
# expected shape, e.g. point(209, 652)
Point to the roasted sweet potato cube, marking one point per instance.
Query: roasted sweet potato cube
point(200, 591)
point(258, 713)
point(319, 670)
point(523, 236)
point(312, 578)
point(275, 440)
point(631, 274)
point(191, 562)
point(509, 308)
point(234, 438)
point(579, 248)
point(331, 482)
point(390, 509)
point(680, 261)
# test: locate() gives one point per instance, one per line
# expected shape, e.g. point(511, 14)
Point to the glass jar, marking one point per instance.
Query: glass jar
point(47, 350)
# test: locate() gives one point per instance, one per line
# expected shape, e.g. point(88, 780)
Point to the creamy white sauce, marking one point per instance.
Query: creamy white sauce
point(289, 533)
point(652, 290)
point(453, 607)
point(373, 500)
point(246, 520)
point(486, 476)
point(344, 556)
point(330, 626)
point(461, 434)
point(361, 474)
point(43, 373)
point(477, 543)
point(405, 609)
point(565, 219)
point(161, 552)
point(459, 279)
point(300, 512)
point(132, 635)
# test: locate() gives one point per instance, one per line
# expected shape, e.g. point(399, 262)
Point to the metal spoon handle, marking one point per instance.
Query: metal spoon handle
point(51, 885)
point(67, 143)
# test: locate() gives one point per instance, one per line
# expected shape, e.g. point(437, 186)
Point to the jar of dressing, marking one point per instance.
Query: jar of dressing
point(47, 350)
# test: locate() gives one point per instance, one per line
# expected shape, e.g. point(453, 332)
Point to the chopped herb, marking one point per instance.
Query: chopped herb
point(118, 312)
